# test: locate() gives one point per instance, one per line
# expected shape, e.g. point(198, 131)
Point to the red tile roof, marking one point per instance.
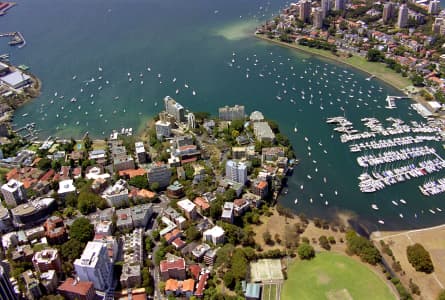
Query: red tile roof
point(201, 285)
point(48, 175)
point(143, 193)
point(178, 243)
point(195, 270)
point(239, 202)
point(261, 185)
point(174, 233)
point(80, 287)
point(12, 174)
point(202, 203)
point(188, 285)
point(132, 172)
point(171, 285)
point(192, 159)
point(166, 265)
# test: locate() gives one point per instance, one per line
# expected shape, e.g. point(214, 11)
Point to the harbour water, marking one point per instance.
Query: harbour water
point(118, 60)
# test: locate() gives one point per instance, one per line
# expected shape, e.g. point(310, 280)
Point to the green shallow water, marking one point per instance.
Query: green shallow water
point(193, 42)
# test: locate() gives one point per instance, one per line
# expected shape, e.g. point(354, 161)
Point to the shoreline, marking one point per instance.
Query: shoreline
point(26, 95)
point(416, 98)
point(328, 55)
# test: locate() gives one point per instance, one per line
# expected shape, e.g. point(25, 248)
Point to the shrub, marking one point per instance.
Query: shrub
point(306, 251)
point(324, 243)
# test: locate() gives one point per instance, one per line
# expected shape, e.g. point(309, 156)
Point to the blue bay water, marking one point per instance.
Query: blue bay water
point(194, 42)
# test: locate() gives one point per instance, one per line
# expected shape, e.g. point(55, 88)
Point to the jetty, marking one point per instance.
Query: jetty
point(391, 101)
point(16, 38)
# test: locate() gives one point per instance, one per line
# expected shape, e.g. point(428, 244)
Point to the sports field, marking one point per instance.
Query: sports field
point(271, 291)
point(266, 270)
point(333, 276)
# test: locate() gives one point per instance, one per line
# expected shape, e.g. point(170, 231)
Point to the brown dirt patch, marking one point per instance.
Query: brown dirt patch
point(323, 279)
point(276, 224)
point(433, 239)
point(339, 295)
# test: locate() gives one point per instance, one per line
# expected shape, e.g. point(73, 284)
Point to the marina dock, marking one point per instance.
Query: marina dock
point(384, 173)
point(5, 6)
point(391, 101)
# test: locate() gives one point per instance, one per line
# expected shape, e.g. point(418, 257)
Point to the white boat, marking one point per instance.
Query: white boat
point(156, 103)
point(301, 187)
point(130, 80)
point(177, 92)
point(74, 77)
point(402, 201)
point(395, 203)
point(321, 195)
point(311, 200)
point(335, 192)
point(309, 176)
point(186, 85)
point(100, 69)
point(306, 139)
point(295, 129)
point(148, 69)
point(142, 82)
point(142, 100)
point(73, 99)
point(174, 79)
point(432, 211)
point(296, 200)
point(324, 179)
point(193, 93)
point(25, 114)
point(401, 216)
point(375, 207)
point(116, 98)
point(381, 222)
point(438, 209)
point(326, 203)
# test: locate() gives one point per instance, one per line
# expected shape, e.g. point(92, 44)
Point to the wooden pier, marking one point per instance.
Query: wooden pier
point(391, 101)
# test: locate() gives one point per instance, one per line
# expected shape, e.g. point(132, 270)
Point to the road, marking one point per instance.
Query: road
point(158, 209)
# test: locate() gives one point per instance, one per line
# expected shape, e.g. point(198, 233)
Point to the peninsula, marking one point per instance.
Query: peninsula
point(160, 213)
point(17, 86)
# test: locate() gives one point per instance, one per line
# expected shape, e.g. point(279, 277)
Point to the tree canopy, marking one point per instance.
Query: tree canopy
point(362, 247)
point(71, 249)
point(82, 230)
point(88, 201)
point(375, 55)
point(141, 182)
point(419, 258)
